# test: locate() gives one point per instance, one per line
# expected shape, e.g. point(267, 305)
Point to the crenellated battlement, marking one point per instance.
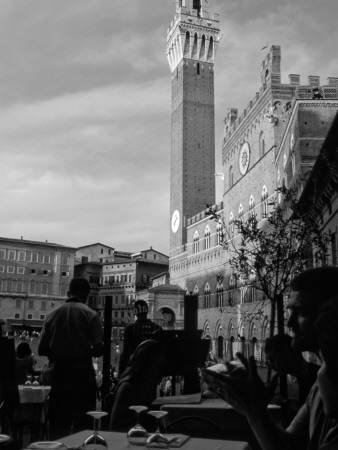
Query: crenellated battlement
point(272, 89)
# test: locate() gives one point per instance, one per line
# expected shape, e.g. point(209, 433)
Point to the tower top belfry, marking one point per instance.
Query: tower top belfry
point(193, 33)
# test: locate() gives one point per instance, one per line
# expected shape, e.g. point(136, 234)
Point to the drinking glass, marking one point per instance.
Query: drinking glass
point(157, 439)
point(138, 435)
point(95, 441)
point(36, 380)
point(29, 380)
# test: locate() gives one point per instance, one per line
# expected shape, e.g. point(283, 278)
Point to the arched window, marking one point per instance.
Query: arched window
point(187, 44)
point(196, 290)
point(231, 177)
point(293, 164)
point(207, 294)
point(240, 212)
point(261, 144)
point(231, 224)
point(220, 295)
point(195, 46)
point(252, 207)
point(202, 51)
point(211, 49)
point(207, 237)
point(196, 242)
point(219, 231)
point(264, 199)
point(232, 287)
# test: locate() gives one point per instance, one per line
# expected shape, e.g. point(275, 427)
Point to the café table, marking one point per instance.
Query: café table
point(33, 394)
point(118, 441)
point(32, 410)
point(231, 424)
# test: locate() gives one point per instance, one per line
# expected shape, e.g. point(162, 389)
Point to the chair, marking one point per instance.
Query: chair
point(194, 426)
point(6, 427)
point(37, 424)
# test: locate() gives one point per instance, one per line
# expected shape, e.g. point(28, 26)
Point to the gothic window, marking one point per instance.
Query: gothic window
point(252, 207)
point(240, 212)
point(220, 295)
point(264, 199)
point(211, 49)
point(232, 287)
point(196, 290)
point(261, 144)
point(187, 44)
point(196, 242)
point(202, 51)
point(207, 237)
point(231, 224)
point(195, 46)
point(231, 177)
point(207, 295)
point(219, 231)
point(293, 164)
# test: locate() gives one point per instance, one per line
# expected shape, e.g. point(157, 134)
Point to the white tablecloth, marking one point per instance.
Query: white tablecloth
point(33, 394)
point(118, 441)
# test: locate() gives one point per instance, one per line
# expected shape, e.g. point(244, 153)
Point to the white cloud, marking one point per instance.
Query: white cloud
point(85, 107)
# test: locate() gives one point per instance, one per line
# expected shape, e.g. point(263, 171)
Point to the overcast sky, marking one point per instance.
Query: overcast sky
point(85, 107)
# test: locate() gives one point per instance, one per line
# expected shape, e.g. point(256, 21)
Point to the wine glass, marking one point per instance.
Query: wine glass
point(36, 380)
point(157, 439)
point(138, 435)
point(29, 380)
point(95, 441)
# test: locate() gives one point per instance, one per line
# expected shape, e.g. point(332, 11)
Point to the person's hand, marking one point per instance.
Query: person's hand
point(242, 387)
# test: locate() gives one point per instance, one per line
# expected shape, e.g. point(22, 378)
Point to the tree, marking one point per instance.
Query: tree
point(269, 252)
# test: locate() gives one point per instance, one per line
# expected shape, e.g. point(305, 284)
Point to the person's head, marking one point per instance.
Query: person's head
point(79, 288)
point(148, 359)
point(141, 308)
point(327, 329)
point(281, 356)
point(310, 290)
point(22, 350)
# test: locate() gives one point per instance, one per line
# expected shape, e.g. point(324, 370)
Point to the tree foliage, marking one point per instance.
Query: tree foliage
point(267, 253)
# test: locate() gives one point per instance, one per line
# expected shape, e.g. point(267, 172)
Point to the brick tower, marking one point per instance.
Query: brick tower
point(191, 45)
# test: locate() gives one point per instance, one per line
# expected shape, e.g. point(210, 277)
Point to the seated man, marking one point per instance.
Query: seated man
point(327, 329)
point(286, 361)
point(311, 429)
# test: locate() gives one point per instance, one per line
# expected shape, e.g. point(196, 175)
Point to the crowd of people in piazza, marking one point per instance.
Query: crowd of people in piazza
point(72, 336)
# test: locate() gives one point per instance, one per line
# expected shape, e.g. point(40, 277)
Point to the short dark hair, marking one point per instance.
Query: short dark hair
point(80, 287)
point(278, 343)
point(23, 349)
point(327, 329)
point(141, 307)
point(320, 283)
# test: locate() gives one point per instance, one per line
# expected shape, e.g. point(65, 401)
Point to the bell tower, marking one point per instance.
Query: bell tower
point(192, 40)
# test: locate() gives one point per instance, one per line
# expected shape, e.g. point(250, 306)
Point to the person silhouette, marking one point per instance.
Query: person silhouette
point(137, 332)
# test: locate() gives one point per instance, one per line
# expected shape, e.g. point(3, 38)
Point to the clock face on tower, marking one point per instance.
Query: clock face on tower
point(175, 220)
point(244, 158)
